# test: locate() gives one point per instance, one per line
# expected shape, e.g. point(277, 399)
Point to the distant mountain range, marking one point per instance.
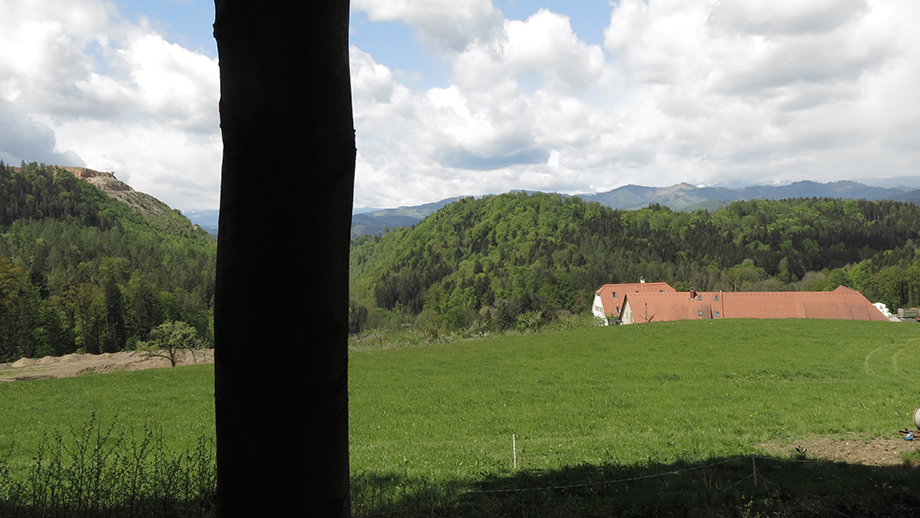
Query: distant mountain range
point(206, 219)
point(681, 197)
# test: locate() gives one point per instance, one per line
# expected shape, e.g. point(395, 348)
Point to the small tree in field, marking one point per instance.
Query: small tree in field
point(168, 339)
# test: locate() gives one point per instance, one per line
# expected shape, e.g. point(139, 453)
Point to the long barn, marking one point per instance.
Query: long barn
point(658, 302)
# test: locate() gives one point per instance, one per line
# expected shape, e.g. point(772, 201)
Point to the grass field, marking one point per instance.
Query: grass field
point(179, 402)
point(629, 395)
point(432, 427)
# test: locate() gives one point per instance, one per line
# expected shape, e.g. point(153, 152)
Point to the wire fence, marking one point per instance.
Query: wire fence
point(752, 458)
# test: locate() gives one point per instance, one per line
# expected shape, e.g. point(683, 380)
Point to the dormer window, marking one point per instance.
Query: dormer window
point(717, 298)
point(614, 294)
point(699, 297)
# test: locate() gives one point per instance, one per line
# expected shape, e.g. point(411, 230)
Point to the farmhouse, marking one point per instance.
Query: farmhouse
point(609, 299)
point(659, 302)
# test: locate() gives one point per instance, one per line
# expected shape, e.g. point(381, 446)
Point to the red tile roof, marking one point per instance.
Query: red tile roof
point(665, 307)
point(612, 295)
point(842, 303)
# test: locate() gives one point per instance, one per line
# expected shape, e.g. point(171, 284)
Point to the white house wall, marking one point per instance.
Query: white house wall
point(599, 308)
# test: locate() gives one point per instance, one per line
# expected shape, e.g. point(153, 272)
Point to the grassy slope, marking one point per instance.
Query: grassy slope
point(179, 400)
point(601, 402)
point(628, 395)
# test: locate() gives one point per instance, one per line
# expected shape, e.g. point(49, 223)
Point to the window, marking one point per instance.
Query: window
point(618, 309)
point(717, 298)
point(699, 312)
point(717, 314)
point(699, 297)
point(614, 294)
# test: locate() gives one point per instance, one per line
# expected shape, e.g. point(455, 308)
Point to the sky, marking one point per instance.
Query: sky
point(472, 97)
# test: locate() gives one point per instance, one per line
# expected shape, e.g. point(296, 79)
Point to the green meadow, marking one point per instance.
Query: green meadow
point(550, 423)
point(629, 395)
point(179, 401)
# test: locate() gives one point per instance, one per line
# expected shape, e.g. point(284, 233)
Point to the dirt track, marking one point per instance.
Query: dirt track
point(77, 364)
point(887, 451)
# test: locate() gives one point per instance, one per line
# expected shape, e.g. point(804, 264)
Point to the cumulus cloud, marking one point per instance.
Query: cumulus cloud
point(81, 85)
point(785, 17)
point(443, 25)
point(25, 139)
point(679, 90)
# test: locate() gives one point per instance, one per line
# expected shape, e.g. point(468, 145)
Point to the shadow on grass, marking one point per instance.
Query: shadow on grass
point(730, 487)
point(100, 469)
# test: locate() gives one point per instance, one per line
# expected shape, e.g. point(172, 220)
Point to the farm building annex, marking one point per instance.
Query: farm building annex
point(658, 302)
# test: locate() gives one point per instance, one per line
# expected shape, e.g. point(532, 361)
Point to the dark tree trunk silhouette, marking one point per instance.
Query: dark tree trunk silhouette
point(282, 262)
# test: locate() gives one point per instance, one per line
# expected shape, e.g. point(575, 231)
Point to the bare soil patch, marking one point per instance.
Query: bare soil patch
point(78, 364)
point(881, 451)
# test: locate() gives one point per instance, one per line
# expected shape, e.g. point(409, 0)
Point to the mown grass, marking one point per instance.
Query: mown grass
point(652, 419)
point(628, 395)
point(661, 419)
point(178, 401)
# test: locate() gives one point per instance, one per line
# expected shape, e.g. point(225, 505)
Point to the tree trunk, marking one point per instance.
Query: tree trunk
point(282, 259)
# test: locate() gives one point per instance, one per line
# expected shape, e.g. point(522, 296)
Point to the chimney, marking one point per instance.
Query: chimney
point(692, 293)
point(641, 280)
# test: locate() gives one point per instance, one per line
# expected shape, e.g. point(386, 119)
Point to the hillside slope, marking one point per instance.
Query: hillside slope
point(684, 197)
point(493, 260)
point(88, 264)
point(156, 213)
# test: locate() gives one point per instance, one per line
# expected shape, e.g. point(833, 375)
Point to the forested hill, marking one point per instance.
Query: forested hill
point(684, 197)
point(89, 264)
point(493, 261)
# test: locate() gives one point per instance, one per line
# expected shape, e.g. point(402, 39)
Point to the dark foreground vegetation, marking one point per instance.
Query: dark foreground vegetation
point(81, 271)
point(508, 261)
point(745, 486)
point(106, 469)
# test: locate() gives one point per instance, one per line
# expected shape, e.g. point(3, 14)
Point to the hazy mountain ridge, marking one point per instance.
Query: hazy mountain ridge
point(376, 222)
point(682, 197)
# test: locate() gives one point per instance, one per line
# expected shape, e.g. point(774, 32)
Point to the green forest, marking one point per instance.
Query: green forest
point(520, 259)
point(81, 271)
point(84, 272)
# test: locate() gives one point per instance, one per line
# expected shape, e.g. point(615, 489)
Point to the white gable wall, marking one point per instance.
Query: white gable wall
point(598, 309)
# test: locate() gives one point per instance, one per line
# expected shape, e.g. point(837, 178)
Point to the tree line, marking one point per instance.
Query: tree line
point(495, 261)
point(80, 271)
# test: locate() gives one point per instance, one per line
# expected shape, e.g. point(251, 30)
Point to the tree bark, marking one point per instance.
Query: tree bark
point(282, 259)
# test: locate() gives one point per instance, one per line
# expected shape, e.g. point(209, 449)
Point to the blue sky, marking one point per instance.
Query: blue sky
point(469, 97)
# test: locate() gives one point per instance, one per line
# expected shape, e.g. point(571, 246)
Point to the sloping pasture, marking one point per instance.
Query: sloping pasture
point(649, 419)
point(663, 419)
point(648, 393)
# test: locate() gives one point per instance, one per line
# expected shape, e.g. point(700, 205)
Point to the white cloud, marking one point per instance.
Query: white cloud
point(443, 25)
point(772, 17)
point(544, 45)
point(680, 90)
point(688, 90)
point(80, 85)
